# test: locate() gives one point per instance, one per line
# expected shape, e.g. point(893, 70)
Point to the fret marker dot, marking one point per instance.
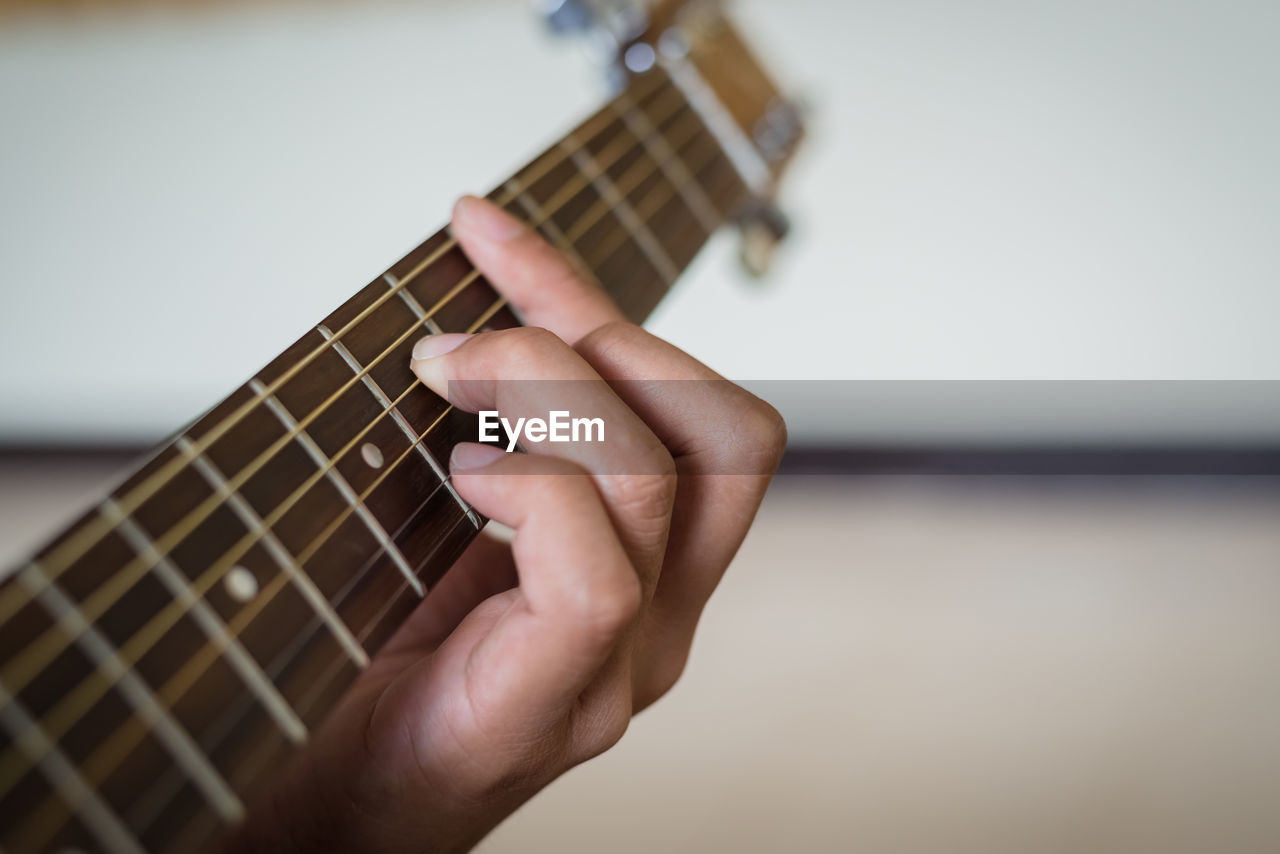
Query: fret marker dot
point(372, 455)
point(640, 57)
point(240, 584)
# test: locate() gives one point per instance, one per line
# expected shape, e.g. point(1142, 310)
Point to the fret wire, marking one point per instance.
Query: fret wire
point(412, 302)
point(127, 576)
point(277, 552)
point(661, 150)
point(146, 705)
point(385, 401)
point(212, 624)
point(287, 504)
point(538, 172)
point(78, 543)
point(298, 641)
point(630, 179)
point(650, 206)
point(606, 249)
point(493, 309)
point(211, 437)
point(534, 211)
point(266, 595)
point(738, 147)
point(194, 668)
point(638, 230)
point(146, 637)
point(610, 154)
point(108, 755)
point(332, 671)
point(100, 819)
point(338, 482)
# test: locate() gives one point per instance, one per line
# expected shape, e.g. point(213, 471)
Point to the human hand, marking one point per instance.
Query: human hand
point(530, 658)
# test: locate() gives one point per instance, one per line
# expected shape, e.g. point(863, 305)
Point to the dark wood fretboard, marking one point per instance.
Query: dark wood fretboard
point(165, 654)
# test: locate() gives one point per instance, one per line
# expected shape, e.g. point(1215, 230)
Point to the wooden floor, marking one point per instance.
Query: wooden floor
point(954, 664)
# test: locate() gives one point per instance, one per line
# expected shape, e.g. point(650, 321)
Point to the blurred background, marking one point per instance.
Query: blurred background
point(1019, 589)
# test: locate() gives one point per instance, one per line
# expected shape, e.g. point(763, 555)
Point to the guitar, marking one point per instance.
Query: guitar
point(171, 650)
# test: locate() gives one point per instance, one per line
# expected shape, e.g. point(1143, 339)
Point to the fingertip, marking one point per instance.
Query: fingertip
point(430, 372)
point(439, 344)
point(472, 455)
point(476, 216)
point(461, 208)
point(543, 284)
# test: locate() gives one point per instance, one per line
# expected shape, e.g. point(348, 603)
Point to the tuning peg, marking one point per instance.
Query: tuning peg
point(623, 20)
point(565, 16)
point(763, 227)
point(781, 127)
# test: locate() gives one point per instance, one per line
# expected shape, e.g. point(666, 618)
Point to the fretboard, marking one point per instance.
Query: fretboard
point(170, 650)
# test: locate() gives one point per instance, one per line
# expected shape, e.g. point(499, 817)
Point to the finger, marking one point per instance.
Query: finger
point(631, 467)
point(726, 443)
point(710, 425)
point(543, 286)
point(579, 594)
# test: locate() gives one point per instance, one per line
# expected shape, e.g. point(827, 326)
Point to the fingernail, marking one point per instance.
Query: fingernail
point(430, 369)
point(489, 219)
point(438, 345)
point(469, 455)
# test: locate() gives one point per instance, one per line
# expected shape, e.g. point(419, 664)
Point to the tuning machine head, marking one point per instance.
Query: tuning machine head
point(609, 27)
point(757, 127)
point(763, 227)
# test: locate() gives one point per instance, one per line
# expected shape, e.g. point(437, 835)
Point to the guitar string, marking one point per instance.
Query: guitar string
point(657, 197)
point(237, 552)
point(632, 178)
point(123, 580)
point(130, 502)
point(85, 538)
point(163, 787)
point(18, 672)
point(96, 761)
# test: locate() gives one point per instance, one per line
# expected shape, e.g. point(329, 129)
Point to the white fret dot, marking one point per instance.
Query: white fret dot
point(640, 57)
point(372, 455)
point(240, 584)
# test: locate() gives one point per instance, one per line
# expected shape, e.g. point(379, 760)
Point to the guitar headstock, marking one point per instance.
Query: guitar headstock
point(698, 45)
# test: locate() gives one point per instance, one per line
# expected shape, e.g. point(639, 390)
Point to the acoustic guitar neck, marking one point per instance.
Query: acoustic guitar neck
point(166, 654)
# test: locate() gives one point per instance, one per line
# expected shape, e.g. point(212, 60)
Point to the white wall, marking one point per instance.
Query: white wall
point(992, 190)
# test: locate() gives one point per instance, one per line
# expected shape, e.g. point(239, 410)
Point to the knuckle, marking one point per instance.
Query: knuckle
point(617, 337)
point(616, 331)
point(762, 436)
point(656, 463)
point(607, 609)
point(533, 345)
point(561, 484)
point(649, 494)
